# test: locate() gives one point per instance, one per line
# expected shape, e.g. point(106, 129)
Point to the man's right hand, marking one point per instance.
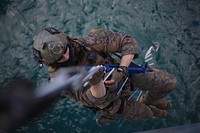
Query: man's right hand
point(97, 88)
point(96, 78)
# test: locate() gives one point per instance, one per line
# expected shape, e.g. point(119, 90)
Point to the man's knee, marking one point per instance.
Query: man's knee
point(136, 111)
point(171, 85)
point(174, 82)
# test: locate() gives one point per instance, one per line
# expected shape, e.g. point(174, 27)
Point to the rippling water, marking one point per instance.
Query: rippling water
point(175, 24)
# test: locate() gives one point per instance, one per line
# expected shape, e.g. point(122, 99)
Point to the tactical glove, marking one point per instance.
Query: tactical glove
point(117, 76)
point(119, 73)
point(96, 78)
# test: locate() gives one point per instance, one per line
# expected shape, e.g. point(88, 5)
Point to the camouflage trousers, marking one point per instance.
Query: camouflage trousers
point(158, 84)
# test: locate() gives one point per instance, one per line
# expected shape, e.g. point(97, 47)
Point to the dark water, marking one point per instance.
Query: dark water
point(175, 24)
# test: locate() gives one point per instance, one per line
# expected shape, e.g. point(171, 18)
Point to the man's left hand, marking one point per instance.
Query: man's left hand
point(117, 76)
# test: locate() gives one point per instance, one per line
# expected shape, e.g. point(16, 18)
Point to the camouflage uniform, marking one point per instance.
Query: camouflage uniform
point(158, 83)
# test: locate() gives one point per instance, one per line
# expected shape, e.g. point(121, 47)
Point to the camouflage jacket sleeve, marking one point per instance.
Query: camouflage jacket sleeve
point(108, 41)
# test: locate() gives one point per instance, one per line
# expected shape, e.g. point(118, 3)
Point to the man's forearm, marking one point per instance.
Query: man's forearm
point(126, 60)
point(98, 90)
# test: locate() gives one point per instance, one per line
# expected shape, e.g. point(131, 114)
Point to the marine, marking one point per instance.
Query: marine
point(57, 50)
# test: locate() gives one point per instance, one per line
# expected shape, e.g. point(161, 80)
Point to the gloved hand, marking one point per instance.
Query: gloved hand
point(117, 76)
point(96, 78)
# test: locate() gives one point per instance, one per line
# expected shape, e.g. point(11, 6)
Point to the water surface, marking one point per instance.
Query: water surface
point(175, 24)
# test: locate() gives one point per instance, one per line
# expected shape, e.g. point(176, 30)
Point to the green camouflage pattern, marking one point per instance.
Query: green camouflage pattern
point(111, 42)
point(158, 83)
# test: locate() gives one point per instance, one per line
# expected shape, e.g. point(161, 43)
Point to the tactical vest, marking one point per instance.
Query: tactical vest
point(110, 103)
point(93, 58)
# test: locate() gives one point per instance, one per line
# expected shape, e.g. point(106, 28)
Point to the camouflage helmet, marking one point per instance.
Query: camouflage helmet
point(49, 46)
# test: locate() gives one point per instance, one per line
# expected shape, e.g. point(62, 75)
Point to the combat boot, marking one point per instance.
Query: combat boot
point(158, 113)
point(161, 103)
